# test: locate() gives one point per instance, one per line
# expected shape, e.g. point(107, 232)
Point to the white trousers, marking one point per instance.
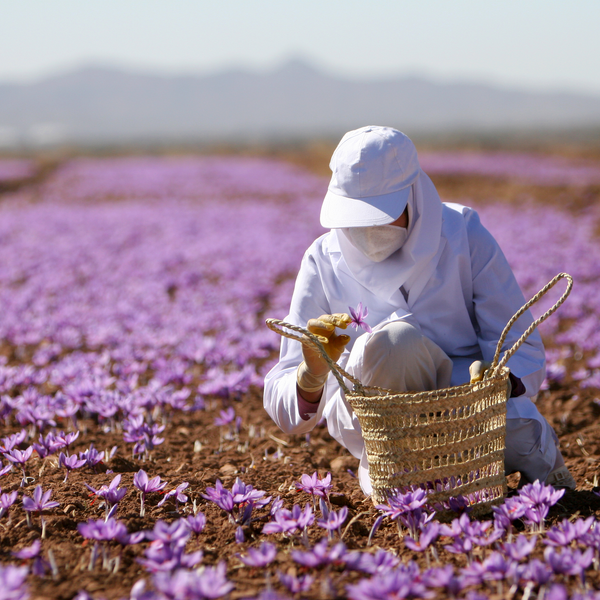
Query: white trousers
point(399, 357)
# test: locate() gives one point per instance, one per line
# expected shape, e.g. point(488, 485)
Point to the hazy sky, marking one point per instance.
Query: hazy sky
point(541, 44)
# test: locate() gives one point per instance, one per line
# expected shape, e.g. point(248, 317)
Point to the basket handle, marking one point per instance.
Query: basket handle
point(315, 341)
point(496, 364)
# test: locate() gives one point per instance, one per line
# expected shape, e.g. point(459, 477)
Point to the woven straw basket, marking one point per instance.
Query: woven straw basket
point(449, 441)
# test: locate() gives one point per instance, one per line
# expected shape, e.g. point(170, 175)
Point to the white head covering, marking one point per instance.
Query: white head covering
point(412, 266)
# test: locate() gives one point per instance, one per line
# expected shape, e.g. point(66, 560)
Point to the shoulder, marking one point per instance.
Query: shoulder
point(464, 219)
point(322, 247)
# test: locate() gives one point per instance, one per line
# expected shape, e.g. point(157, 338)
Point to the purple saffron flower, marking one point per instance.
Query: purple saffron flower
point(103, 531)
point(566, 532)
point(397, 583)
point(40, 501)
point(91, 456)
point(12, 441)
point(6, 501)
point(12, 582)
point(320, 555)
point(443, 577)
point(111, 494)
point(538, 493)
point(371, 563)
point(512, 509)
point(29, 552)
point(169, 532)
point(260, 557)
point(178, 493)
point(334, 520)
point(240, 536)
point(428, 535)
point(315, 486)
point(6, 469)
point(358, 317)
point(69, 463)
point(226, 417)
point(287, 521)
point(195, 523)
point(242, 492)
point(220, 496)
point(295, 585)
point(569, 561)
point(535, 571)
point(146, 486)
point(521, 548)
point(210, 583)
point(401, 504)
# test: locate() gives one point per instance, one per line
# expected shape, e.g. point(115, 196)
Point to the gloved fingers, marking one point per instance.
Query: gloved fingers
point(327, 323)
point(336, 345)
point(477, 370)
point(320, 327)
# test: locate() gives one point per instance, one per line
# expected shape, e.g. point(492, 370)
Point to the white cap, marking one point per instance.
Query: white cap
point(373, 171)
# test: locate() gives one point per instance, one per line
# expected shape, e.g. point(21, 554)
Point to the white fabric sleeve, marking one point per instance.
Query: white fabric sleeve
point(280, 400)
point(496, 298)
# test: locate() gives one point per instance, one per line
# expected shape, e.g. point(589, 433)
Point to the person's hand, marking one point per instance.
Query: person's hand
point(477, 371)
point(313, 371)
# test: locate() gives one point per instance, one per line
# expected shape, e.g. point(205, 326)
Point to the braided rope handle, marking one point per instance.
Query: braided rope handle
point(315, 341)
point(496, 366)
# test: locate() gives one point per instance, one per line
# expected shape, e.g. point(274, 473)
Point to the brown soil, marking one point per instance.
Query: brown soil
point(255, 461)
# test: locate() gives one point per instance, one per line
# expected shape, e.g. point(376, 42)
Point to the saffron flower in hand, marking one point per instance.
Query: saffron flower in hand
point(358, 317)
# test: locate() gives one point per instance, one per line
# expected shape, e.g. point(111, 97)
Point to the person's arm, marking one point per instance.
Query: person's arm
point(281, 399)
point(497, 297)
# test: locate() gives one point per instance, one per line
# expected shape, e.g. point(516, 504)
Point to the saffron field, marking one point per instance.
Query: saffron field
point(136, 459)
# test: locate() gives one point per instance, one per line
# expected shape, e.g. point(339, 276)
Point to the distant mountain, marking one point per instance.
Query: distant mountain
point(101, 105)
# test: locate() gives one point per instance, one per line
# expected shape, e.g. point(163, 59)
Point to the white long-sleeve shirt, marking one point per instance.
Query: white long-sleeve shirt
point(463, 307)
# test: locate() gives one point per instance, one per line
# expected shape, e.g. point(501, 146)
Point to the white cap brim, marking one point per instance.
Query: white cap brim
point(340, 211)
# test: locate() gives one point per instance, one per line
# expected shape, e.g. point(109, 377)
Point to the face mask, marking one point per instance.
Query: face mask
point(377, 243)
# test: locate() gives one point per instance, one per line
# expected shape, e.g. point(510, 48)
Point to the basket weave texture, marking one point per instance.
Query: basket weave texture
point(450, 441)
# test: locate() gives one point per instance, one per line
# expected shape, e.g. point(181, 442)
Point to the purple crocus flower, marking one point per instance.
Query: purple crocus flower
point(396, 583)
point(12, 441)
point(296, 585)
point(371, 563)
point(69, 463)
point(178, 493)
point(566, 532)
point(242, 492)
point(146, 486)
point(104, 531)
point(315, 486)
point(334, 520)
point(512, 509)
point(287, 521)
point(210, 583)
point(320, 555)
point(428, 535)
point(521, 548)
point(12, 582)
point(536, 572)
point(169, 532)
point(443, 577)
point(29, 552)
point(6, 501)
point(220, 496)
point(195, 523)
point(358, 317)
point(91, 456)
point(225, 417)
point(40, 501)
point(20, 457)
point(259, 557)
point(568, 561)
point(111, 493)
point(6, 469)
point(400, 504)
